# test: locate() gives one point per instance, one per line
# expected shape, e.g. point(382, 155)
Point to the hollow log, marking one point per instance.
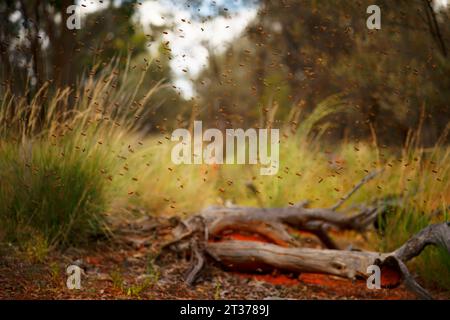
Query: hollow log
point(259, 256)
point(251, 256)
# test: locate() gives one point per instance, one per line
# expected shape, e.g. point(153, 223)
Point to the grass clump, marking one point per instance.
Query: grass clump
point(57, 195)
point(60, 154)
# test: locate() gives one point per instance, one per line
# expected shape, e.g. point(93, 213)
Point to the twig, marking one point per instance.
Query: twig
point(197, 263)
point(191, 229)
point(433, 23)
point(326, 239)
point(411, 284)
point(251, 187)
point(172, 242)
point(367, 178)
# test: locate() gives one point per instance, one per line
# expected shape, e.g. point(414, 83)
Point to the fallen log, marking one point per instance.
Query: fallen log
point(259, 256)
point(251, 256)
point(274, 223)
point(282, 251)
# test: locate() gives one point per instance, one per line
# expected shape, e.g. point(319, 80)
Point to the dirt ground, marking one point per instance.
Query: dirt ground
point(123, 269)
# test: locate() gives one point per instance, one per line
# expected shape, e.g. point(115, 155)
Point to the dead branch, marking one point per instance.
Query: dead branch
point(435, 234)
point(366, 179)
point(272, 223)
point(251, 256)
point(197, 262)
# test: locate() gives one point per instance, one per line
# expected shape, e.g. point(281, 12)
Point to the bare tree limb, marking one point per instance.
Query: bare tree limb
point(434, 26)
point(435, 234)
point(367, 178)
point(197, 263)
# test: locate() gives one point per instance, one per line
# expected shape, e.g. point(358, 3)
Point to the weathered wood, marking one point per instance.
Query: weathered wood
point(197, 262)
point(272, 223)
point(251, 255)
point(435, 234)
point(367, 178)
point(282, 250)
point(219, 218)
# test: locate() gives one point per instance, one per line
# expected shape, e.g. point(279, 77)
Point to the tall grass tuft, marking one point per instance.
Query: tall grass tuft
point(59, 152)
point(51, 192)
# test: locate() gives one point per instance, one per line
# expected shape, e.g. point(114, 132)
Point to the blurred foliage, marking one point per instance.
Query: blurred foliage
point(300, 52)
point(292, 56)
point(37, 49)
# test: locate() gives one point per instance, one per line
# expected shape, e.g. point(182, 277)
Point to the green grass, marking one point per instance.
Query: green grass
point(433, 264)
point(56, 179)
point(46, 191)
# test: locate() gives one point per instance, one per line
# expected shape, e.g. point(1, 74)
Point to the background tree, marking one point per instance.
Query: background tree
point(36, 47)
point(297, 53)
